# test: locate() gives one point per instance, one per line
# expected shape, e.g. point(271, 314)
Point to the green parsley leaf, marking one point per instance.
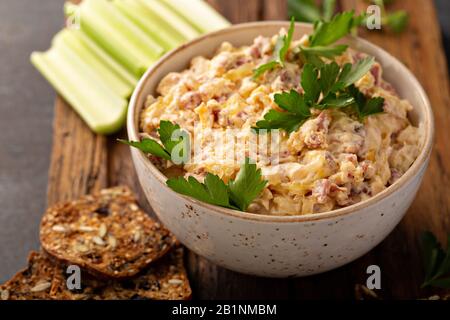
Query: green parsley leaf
point(309, 11)
point(293, 102)
point(372, 106)
point(345, 73)
point(325, 51)
point(304, 10)
point(326, 33)
point(397, 21)
point(359, 20)
point(297, 112)
point(280, 120)
point(282, 47)
point(432, 254)
point(444, 267)
point(441, 283)
point(333, 84)
point(329, 6)
point(263, 68)
point(310, 83)
point(150, 146)
point(436, 261)
point(351, 74)
point(165, 131)
point(365, 107)
point(213, 191)
point(279, 53)
point(312, 58)
point(333, 101)
point(247, 185)
point(328, 75)
point(238, 194)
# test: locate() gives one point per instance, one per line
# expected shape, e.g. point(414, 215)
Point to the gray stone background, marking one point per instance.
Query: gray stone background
point(26, 112)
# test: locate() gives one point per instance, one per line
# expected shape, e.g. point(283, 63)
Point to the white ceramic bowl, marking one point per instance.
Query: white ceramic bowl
point(279, 246)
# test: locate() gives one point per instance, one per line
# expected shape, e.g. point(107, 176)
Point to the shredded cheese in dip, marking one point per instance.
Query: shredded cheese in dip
point(333, 160)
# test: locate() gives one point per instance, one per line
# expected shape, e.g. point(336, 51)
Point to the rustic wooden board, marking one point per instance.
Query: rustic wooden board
point(82, 162)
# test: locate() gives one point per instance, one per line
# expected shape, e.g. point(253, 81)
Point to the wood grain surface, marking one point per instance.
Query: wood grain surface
point(82, 162)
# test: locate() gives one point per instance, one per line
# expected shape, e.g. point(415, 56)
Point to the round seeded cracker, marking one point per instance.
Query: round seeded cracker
point(32, 283)
point(166, 279)
point(106, 233)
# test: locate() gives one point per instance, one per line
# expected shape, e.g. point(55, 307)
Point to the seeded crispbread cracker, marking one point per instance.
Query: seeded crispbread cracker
point(166, 279)
point(32, 283)
point(105, 233)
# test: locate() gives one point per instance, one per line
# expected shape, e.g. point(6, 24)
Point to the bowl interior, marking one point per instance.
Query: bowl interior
point(393, 71)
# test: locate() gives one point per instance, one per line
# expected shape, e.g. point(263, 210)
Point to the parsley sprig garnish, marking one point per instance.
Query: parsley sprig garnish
point(237, 194)
point(436, 261)
point(151, 146)
point(365, 106)
point(325, 34)
point(324, 87)
point(320, 42)
point(279, 52)
point(396, 21)
point(310, 11)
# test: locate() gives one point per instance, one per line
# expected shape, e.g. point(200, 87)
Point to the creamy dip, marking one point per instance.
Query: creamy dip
point(333, 160)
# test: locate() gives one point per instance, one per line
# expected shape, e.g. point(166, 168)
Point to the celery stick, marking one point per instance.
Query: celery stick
point(70, 9)
point(111, 30)
point(143, 18)
point(106, 75)
point(105, 35)
point(166, 14)
point(106, 58)
point(84, 71)
point(108, 107)
point(135, 35)
point(119, 69)
point(104, 114)
point(198, 13)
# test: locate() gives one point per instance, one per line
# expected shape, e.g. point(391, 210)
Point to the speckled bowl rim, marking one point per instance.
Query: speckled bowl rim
point(421, 160)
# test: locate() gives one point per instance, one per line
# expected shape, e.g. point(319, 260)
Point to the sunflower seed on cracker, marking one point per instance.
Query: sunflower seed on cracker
point(175, 281)
point(4, 295)
point(59, 228)
point(102, 230)
point(113, 242)
point(86, 229)
point(41, 286)
point(98, 241)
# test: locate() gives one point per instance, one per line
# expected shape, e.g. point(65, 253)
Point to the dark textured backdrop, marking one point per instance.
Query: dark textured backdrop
point(26, 108)
point(26, 112)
